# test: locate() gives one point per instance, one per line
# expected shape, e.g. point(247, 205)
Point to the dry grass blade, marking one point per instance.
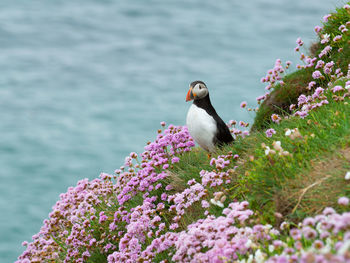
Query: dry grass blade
point(303, 191)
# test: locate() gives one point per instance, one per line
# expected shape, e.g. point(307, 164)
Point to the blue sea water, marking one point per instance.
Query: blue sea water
point(85, 82)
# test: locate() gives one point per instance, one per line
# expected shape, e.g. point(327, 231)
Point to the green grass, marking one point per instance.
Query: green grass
point(269, 182)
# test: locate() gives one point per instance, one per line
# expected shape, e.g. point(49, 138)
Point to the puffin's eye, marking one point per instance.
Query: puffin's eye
point(200, 87)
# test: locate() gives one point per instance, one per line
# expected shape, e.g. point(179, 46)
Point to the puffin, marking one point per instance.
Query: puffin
point(204, 125)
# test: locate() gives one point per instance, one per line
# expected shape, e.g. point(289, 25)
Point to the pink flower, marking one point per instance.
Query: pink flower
point(337, 38)
point(318, 29)
point(164, 196)
point(301, 114)
point(270, 132)
point(316, 74)
point(319, 64)
point(302, 100)
point(317, 93)
point(103, 217)
point(343, 201)
point(343, 29)
point(325, 51)
point(243, 104)
point(311, 84)
point(205, 204)
point(326, 17)
point(169, 187)
point(275, 118)
point(337, 88)
point(175, 160)
point(299, 42)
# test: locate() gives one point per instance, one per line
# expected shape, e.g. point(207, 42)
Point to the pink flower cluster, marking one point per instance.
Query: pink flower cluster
point(217, 239)
point(315, 240)
point(274, 75)
point(324, 74)
point(69, 230)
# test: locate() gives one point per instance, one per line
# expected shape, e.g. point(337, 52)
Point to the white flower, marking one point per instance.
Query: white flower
point(277, 146)
point(325, 38)
point(344, 248)
point(267, 150)
point(271, 248)
point(248, 244)
point(268, 226)
point(284, 225)
point(288, 132)
point(218, 203)
point(304, 108)
point(259, 256)
point(347, 176)
point(284, 153)
point(327, 248)
point(293, 133)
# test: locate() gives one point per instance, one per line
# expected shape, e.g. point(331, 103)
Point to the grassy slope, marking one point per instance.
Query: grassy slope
point(275, 183)
point(312, 177)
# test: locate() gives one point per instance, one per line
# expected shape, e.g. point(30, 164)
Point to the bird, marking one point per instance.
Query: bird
point(203, 123)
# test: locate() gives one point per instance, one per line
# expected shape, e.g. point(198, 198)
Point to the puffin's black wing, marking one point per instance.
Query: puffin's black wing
point(223, 134)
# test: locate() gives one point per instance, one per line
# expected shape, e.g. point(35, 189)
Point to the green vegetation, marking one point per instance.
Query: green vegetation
point(296, 83)
point(274, 183)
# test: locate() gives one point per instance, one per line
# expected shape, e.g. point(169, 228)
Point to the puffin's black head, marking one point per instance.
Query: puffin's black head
point(198, 90)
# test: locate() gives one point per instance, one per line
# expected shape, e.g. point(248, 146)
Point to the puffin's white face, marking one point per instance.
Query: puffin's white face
point(198, 90)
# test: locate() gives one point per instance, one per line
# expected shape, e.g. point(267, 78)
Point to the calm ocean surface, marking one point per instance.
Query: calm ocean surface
point(85, 82)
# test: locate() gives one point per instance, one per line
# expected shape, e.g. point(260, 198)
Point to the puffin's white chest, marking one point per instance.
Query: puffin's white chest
point(202, 127)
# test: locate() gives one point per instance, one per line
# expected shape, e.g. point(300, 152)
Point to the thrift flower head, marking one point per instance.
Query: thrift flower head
point(343, 201)
point(316, 74)
point(326, 17)
point(325, 51)
point(275, 118)
point(270, 132)
point(337, 88)
point(299, 42)
point(337, 38)
point(243, 104)
point(318, 29)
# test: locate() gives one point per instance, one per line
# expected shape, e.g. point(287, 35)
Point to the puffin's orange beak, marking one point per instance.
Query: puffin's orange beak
point(189, 95)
